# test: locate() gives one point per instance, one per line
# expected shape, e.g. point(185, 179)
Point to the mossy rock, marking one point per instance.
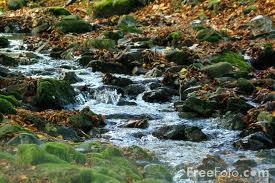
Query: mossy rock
point(137, 153)
point(128, 23)
point(100, 43)
point(157, 171)
point(237, 105)
point(11, 99)
point(234, 59)
point(57, 173)
point(245, 86)
point(33, 154)
point(86, 120)
point(209, 35)
point(174, 36)
point(103, 178)
point(73, 24)
point(16, 4)
point(265, 116)
point(64, 152)
point(7, 60)
point(107, 8)
point(114, 35)
point(59, 11)
point(9, 130)
point(218, 70)
point(54, 94)
point(180, 57)
point(111, 152)
point(24, 138)
point(4, 42)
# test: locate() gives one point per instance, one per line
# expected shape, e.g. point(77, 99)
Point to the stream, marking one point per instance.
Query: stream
point(177, 155)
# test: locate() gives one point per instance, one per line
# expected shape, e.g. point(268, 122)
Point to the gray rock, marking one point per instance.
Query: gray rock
point(134, 89)
point(218, 70)
point(260, 25)
point(158, 95)
point(71, 77)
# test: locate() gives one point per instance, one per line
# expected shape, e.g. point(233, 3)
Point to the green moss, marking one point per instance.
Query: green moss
point(101, 43)
point(7, 130)
point(157, 171)
point(209, 34)
point(16, 4)
point(73, 24)
point(218, 70)
point(6, 156)
point(245, 85)
point(2, 178)
point(33, 154)
point(150, 180)
point(11, 99)
point(107, 8)
point(58, 11)
point(53, 93)
point(64, 152)
point(137, 153)
point(24, 138)
point(174, 36)
point(6, 107)
point(234, 59)
point(114, 35)
point(103, 178)
point(265, 116)
point(128, 23)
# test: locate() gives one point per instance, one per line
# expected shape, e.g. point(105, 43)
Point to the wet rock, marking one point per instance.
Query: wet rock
point(109, 79)
point(53, 94)
point(232, 121)
point(218, 70)
point(67, 133)
point(4, 71)
point(85, 60)
point(40, 28)
point(202, 108)
point(71, 77)
point(131, 56)
point(73, 24)
point(249, 163)
point(7, 60)
point(209, 34)
point(135, 89)
point(180, 132)
point(24, 138)
point(189, 90)
point(237, 104)
point(124, 102)
point(138, 71)
point(181, 57)
point(265, 58)
point(108, 67)
point(86, 120)
point(155, 72)
point(157, 171)
point(235, 59)
point(158, 95)
point(4, 42)
point(255, 141)
point(107, 8)
point(114, 35)
point(260, 25)
point(245, 86)
point(140, 123)
point(16, 4)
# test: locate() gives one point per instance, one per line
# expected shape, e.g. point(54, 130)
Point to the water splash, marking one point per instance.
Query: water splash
point(107, 96)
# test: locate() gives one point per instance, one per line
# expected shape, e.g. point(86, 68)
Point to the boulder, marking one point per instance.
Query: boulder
point(134, 89)
point(24, 138)
point(85, 60)
point(235, 104)
point(109, 79)
point(180, 132)
point(158, 95)
point(260, 25)
point(74, 24)
point(232, 121)
point(53, 94)
point(218, 70)
point(6, 107)
point(4, 42)
point(139, 123)
point(71, 77)
point(40, 28)
point(4, 71)
point(108, 67)
point(245, 86)
point(265, 59)
point(180, 57)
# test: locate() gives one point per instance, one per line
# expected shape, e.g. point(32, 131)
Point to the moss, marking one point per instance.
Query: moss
point(245, 85)
point(24, 138)
point(64, 152)
point(265, 116)
point(33, 154)
point(6, 156)
point(114, 35)
point(73, 24)
point(150, 180)
point(103, 178)
point(58, 11)
point(174, 36)
point(11, 99)
point(218, 70)
point(137, 153)
point(209, 34)
point(112, 152)
point(234, 59)
point(128, 23)
point(2, 178)
point(157, 171)
point(101, 43)
point(53, 93)
point(107, 8)
point(7, 130)
point(6, 107)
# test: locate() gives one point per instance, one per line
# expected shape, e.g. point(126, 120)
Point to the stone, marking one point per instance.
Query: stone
point(232, 121)
point(245, 86)
point(6, 60)
point(101, 43)
point(135, 89)
point(4, 71)
point(74, 24)
point(186, 92)
point(260, 25)
point(4, 42)
point(237, 104)
point(59, 11)
point(6, 107)
point(265, 116)
point(109, 79)
point(218, 70)
point(40, 28)
point(209, 34)
point(108, 67)
point(128, 23)
point(159, 95)
point(140, 123)
point(85, 60)
point(180, 132)
point(180, 57)
point(155, 72)
point(265, 59)
point(71, 77)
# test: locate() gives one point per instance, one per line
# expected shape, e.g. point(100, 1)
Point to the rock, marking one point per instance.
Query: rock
point(40, 28)
point(232, 121)
point(184, 93)
point(24, 138)
point(86, 120)
point(212, 162)
point(114, 35)
point(107, 8)
point(135, 89)
point(108, 67)
point(254, 142)
point(109, 79)
point(237, 105)
point(59, 11)
point(71, 77)
point(265, 116)
point(53, 94)
point(180, 132)
point(155, 72)
point(16, 4)
point(203, 108)
point(260, 25)
point(123, 102)
point(8, 130)
point(181, 57)
point(1, 117)
point(101, 43)
point(235, 59)
point(128, 23)
point(85, 60)
point(218, 70)
point(73, 24)
point(157, 171)
point(4, 42)
point(245, 86)
point(133, 57)
point(6, 107)
point(4, 71)
point(140, 123)
point(7, 60)
point(209, 34)
point(245, 162)
point(265, 58)
point(158, 95)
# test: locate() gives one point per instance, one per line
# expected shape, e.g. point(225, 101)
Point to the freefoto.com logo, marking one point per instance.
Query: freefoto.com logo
point(262, 175)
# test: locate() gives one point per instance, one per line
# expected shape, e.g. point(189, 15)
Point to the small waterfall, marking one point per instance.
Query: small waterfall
point(107, 96)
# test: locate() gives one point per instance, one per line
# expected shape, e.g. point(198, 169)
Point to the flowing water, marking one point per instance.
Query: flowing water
point(175, 154)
